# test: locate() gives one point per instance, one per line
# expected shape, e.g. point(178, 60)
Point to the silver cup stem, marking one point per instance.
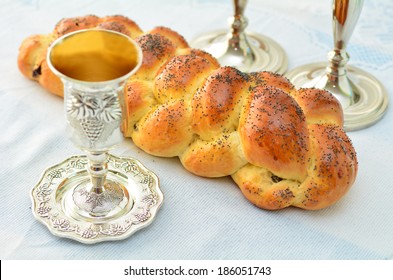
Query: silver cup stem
point(98, 168)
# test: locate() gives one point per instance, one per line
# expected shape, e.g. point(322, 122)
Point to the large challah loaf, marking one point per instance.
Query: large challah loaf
point(282, 146)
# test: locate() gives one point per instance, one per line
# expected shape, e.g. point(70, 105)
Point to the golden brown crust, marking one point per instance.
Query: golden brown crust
point(32, 53)
point(181, 77)
point(156, 51)
point(173, 36)
point(274, 133)
point(216, 158)
point(120, 24)
point(319, 106)
point(138, 99)
point(264, 189)
point(199, 53)
point(266, 78)
point(282, 146)
point(216, 105)
point(49, 80)
point(32, 63)
point(165, 130)
point(67, 25)
point(333, 167)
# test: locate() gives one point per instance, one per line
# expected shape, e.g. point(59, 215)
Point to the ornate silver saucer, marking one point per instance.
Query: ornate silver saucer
point(53, 203)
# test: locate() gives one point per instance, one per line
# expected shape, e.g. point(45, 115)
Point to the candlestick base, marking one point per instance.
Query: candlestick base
point(370, 99)
point(260, 53)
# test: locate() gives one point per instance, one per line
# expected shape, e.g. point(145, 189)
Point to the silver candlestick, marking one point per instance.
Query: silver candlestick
point(362, 96)
point(248, 52)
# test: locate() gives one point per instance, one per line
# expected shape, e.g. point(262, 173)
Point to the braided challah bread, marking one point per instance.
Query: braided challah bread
point(282, 146)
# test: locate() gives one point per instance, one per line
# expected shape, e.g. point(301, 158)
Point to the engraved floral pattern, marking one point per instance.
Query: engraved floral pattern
point(98, 203)
point(62, 224)
point(78, 163)
point(89, 233)
point(92, 112)
point(83, 106)
point(43, 191)
point(93, 198)
point(129, 167)
point(150, 199)
point(43, 210)
point(57, 173)
point(115, 229)
point(109, 110)
point(145, 179)
point(144, 216)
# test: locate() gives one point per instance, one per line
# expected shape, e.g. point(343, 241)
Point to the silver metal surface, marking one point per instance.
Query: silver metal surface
point(362, 96)
point(93, 115)
point(248, 52)
point(54, 205)
point(96, 197)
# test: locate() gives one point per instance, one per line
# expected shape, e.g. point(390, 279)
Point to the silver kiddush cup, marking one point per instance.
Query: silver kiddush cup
point(101, 193)
point(93, 65)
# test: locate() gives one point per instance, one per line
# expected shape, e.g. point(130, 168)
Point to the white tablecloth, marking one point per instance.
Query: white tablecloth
point(201, 218)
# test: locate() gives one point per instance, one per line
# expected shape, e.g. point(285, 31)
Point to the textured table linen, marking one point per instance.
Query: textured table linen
point(201, 218)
